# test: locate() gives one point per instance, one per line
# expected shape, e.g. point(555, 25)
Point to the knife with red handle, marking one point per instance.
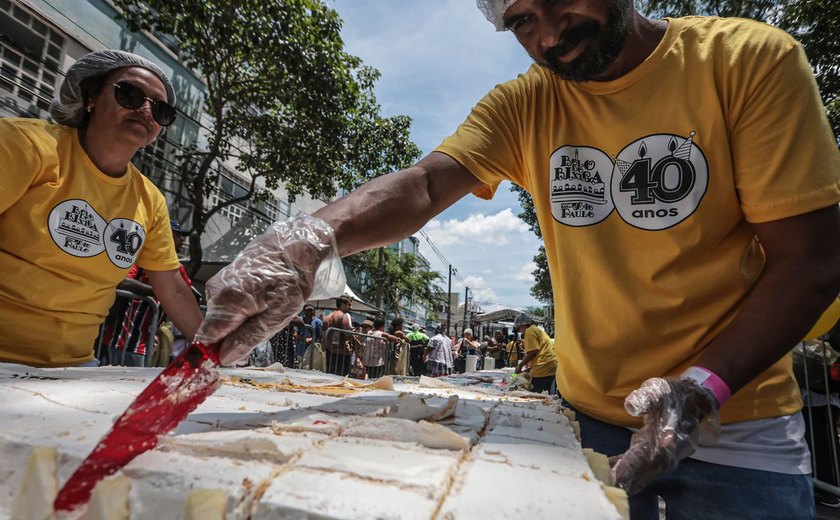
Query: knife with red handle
point(183, 385)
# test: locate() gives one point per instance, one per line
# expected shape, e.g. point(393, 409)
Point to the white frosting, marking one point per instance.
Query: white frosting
point(306, 493)
point(402, 465)
point(298, 444)
point(481, 493)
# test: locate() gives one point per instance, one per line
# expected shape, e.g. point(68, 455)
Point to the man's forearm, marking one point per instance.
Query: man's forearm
point(800, 279)
point(776, 315)
point(391, 207)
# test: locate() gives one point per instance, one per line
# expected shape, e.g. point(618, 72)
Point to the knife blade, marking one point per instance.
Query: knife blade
point(183, 385)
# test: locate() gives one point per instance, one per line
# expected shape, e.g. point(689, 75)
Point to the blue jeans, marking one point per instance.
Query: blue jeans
point(703, 490)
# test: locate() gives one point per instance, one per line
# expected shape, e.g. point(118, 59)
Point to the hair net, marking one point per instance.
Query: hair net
point(494, 11)
point(522, 319)
point(67, 107)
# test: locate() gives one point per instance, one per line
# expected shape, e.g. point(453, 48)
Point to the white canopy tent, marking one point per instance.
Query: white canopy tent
point(359, 305)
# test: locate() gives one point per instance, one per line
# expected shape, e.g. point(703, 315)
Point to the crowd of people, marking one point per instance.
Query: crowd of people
point(368, 350)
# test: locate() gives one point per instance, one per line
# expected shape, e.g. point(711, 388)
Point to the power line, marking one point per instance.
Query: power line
point(442, 257)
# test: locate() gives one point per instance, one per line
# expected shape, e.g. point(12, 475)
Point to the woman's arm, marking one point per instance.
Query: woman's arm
point(177, 299)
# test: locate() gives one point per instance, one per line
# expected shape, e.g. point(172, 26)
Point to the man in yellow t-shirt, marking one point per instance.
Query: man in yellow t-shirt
point(686, 184)
point(539, 355)
point(76, 215)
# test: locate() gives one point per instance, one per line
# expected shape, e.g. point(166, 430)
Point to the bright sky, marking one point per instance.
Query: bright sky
point(437, 59)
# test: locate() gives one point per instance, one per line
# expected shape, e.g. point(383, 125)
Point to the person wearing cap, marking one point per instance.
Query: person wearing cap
point(76, 215)
point(418, 342)
point(539, 355)
point(686, 183)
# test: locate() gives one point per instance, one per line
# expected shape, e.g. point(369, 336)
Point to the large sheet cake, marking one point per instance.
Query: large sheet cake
point(294, 444)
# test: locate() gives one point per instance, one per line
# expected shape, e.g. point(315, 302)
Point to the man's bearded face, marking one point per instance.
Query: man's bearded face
point(595, 40)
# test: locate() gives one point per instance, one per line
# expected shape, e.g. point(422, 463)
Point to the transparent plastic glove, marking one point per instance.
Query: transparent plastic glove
point(678, 415)
point(259, 293)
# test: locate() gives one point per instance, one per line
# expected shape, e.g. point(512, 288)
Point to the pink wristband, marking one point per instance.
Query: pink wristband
point(710, 381)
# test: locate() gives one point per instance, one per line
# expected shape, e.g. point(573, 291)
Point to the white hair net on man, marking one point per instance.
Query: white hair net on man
point(494, 11)
point(68, 107)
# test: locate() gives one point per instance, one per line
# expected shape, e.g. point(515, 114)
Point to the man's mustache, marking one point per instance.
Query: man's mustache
point(570, 38)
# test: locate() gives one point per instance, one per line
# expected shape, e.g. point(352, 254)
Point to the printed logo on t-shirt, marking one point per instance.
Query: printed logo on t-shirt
point(659, 180)
point(579, 194)
point(654, 183)
point(80, 231)
point(123, 240)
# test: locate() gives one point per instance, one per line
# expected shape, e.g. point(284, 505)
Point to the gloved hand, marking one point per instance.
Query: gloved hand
point(259, 293)
point(678, 414)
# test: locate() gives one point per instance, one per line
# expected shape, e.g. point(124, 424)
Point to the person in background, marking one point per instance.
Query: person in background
point(686, 184)
point(306, 336)
point(396, 329)
point(539, 355)
point(418, 342)
point(76, 215)
point(496, 349)
point(392, 344)
point(465, 346)
point(374, 349)
point(339, 346)
point(440, 354)
point(513, 351)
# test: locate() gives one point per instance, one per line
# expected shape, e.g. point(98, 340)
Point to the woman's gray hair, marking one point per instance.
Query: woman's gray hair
point(68, 106)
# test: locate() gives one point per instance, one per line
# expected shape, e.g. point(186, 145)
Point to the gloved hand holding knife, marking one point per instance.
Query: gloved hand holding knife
point(260, 292)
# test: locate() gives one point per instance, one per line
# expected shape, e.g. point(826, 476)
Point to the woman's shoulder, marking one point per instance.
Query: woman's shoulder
point(36, 133)
point(145, 185)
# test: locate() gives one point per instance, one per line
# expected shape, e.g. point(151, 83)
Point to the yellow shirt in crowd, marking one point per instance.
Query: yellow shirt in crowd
point(645, 188)
point(545, 364)
point(68, 235)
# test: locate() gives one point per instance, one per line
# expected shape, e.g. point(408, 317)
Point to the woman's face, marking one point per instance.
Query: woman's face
point(136, 126)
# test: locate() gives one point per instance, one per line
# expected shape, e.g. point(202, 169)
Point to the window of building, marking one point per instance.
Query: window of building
point(29, 61)
point(228, 188)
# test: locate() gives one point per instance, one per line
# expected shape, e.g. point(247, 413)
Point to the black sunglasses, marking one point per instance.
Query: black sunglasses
point(131, 97)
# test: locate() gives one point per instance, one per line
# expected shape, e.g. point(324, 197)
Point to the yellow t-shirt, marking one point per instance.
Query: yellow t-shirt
point(545, 364)
point(645, 188)
point(68, 236)
point(512, 354)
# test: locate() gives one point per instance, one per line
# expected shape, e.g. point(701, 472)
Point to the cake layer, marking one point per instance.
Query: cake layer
point(295, 444)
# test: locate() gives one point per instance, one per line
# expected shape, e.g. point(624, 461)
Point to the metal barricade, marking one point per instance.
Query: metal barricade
point(346, 352)
point(828, 430)
point(154, 308)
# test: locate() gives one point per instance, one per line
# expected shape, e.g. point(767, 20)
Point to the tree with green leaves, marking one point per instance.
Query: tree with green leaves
point(541, 290)
point(401, 280)
point(284, 103)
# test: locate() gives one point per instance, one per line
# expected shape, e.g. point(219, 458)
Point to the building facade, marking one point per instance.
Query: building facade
point(41, 39)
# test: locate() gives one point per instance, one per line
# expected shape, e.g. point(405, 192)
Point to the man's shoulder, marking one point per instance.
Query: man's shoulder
point(734, 36)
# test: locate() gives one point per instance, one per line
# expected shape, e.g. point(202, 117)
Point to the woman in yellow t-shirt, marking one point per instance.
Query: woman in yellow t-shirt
point(539, 355)
point(76, 215)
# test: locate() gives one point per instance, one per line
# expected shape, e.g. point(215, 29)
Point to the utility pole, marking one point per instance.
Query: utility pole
point(466, 304)
point(380, 278)
point(449, 301)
